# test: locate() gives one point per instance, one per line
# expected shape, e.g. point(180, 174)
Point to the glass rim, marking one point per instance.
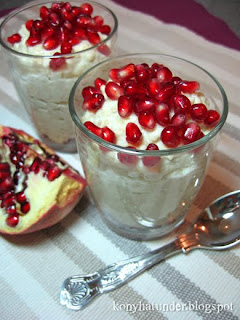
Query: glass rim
point(139, 152)
point(38, 2)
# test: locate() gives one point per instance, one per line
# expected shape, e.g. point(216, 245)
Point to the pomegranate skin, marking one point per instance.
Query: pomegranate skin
point(50, 199)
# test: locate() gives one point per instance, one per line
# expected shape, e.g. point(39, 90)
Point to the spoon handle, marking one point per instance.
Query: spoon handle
point(78, 291)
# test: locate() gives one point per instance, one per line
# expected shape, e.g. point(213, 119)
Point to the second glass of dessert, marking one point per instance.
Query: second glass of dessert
point(48, 45)
point(146, 127)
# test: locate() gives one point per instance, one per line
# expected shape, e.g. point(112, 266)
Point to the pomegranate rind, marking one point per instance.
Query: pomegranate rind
point(51, 201)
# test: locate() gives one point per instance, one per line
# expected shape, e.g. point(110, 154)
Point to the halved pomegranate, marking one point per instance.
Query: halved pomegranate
point(37, 188)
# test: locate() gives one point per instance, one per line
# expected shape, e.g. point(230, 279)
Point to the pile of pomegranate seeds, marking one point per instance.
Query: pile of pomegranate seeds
point(157, 98)
point(64, 26)
point(13, 179)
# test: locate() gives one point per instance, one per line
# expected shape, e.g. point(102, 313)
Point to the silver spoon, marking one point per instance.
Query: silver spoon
point(217, 228)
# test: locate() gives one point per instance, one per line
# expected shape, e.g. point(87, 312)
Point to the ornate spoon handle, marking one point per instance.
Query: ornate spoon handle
point(78, 291)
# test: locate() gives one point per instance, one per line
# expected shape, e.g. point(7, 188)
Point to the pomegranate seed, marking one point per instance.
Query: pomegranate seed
point(63, 35)
point(80, 33)
point(56, 6)
point(66, 15)
point(178, 120)
point(98, 20)
point(165, 92)
point(108, 135)
point(145, 104)
point(104, 49)
point(176, 80)
point(25, 207)
point(113, 90)
point(50, 43)
point(133, 133)
point(99, 82)
point(44, 12)
point(76, 11)
point(93, 128)
point(54, 19)
point(151, 161)
point(4, 175)
point(147, 120)
point(57, 63)
point(153, 87)
point(85, 21)
point(113, 74)
point(29, 24)
point(155, 67)
point(164, 75)
point(141, 73)
point(169, 137)
point(191, 132)
point(10, 201)
point(21, 197)
point(38, 25)
point(4, 166)
point(94, 102)
point(87, 8)
point(74, 41)
point(53, 173)
point(198, 111)
point(189, 86)
point(126, 72)
point(12, 220)
point(6, 184)
point(179, 102)
point(68, 25)
point(15, 38)
point(66, 47)
point(35, 166)
point(47, 33)
point(93, 37)
point(125, 106)
point(135, 90)
point(33, 41)
point(212, 118)
point(162, 114)
point(128, 159)
point(87, 92)
point(105, 29)
point(11, 209)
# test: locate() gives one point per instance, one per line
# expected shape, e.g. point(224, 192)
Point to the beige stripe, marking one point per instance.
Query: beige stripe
point(231, 165)
point(12, 307)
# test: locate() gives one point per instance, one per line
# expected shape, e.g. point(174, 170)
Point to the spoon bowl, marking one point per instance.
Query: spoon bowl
point(218, 227)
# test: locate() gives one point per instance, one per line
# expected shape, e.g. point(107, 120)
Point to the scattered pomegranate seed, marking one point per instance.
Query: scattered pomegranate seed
point(165, 92)
point(94, 102)
point(125, 106)
point(44, 12)
point(147, 120)
point(99, 82)
point(108, 135)
point(198, 111)
point(113, 90)
point(21, 197)
point(135, 90)
point(104, 49)
point(126, 72)
point(141, 73)
point(93, 128)
point(153, 87)
point(15, 38)
point(57, 63)
point(50, 43)
point(29, 24)
point(93, 37)
point(212, 118)
point(87, 92)
point(169, 137)
point(98, 20)
point(178, 120)
point(191, 133)
point(155, 67)
point(66, 47)
point(144, 104)
point(151, 161)
point(12, 220)
point(162, 114)
point(128, 159)
point(87, 8)
point(113, 74)
point(105, 29)
point(164, 75)
point(189, 86)
point(133, 133)
point(33, 41)
point(180, 103)
point(47, 33)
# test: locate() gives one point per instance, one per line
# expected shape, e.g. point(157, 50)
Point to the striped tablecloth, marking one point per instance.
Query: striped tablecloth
point(32, 267)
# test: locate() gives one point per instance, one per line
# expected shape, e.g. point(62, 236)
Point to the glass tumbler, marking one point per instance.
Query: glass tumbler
point(44, 78)
point(138, 201)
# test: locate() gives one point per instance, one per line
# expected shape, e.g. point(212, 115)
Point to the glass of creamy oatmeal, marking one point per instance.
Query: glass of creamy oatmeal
point(146, 127)
point(48, 45)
